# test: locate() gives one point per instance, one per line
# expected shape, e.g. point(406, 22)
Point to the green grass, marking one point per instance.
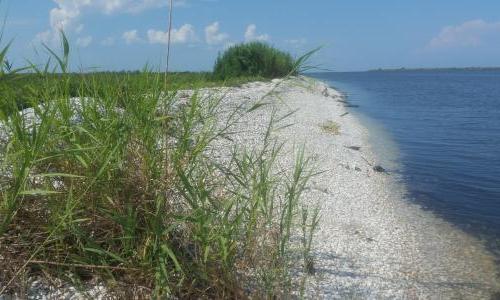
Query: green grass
point(254, 59)
point(118, 187)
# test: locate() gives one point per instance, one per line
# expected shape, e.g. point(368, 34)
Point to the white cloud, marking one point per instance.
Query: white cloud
point(468, 34)
point(131, 36)
point(48, 37)
point(296, 42)
point(135, 6)
point(251, 34)
point(84, 41)
point(183, 35)
point(44, 37)
point(79, 28)
point(109, 41)
point(132, 6)
point(67, 11)
point(62, 16)
point(66, 14)
point(213, 36)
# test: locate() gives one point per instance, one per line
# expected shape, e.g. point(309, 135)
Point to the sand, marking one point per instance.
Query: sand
point(371, 241)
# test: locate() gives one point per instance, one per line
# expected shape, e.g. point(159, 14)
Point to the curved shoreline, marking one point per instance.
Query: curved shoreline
point(371, 242)
point(412, 169)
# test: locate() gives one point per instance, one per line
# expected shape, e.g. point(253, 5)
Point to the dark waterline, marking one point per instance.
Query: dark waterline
point(446, 125)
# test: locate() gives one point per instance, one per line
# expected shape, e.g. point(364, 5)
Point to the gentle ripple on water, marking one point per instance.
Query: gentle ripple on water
point(446, 127)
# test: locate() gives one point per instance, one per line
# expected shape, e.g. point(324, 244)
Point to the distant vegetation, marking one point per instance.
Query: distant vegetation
point(254, 59)
point(19, 86)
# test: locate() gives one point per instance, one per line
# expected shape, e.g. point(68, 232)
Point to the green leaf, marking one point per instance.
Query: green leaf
point(105, 253)
point(172, 257)
point(38, 192)
point(63, 62)
point(256, 106)
point(4, 51)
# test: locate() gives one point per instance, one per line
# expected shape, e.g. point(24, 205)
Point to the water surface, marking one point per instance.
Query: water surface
point(446, 125)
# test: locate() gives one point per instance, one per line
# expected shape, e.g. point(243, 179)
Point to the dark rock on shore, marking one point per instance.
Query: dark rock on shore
point(379, 169)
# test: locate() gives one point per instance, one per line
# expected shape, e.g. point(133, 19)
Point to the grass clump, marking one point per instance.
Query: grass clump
point(102, 183)
point(331, 127)
point(254, 59)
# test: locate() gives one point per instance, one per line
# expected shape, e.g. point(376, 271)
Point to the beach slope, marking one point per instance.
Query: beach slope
point(371, 242)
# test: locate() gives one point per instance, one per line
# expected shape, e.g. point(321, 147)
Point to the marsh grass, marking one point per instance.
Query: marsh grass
point(102, 183)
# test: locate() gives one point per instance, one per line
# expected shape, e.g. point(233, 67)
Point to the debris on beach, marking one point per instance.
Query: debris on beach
point(355, 148)
point(379, 169)
point(331, 127)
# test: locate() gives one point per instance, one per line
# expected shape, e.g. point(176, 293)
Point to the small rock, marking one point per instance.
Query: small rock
point(379, 169)
point(355, 148)
point(357, 169)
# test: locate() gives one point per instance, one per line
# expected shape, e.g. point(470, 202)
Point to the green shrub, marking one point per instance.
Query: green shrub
point(254, 59)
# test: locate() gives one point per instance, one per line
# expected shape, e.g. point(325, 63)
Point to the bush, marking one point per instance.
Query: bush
point(254, 59)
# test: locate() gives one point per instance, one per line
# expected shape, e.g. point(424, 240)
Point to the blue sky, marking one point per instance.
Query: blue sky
point(356, 34)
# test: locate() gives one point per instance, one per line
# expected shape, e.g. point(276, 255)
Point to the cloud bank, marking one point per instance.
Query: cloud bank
point(183, 35)
point(67, 13)
point(131, 37)
point(84, 41)
point(468, 34)
point(213, 36)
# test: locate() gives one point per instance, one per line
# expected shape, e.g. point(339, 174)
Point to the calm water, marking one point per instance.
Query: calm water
point(446, 125)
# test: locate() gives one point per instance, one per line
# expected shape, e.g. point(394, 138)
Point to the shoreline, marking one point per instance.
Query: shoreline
point(482, 229)
point(371, 242)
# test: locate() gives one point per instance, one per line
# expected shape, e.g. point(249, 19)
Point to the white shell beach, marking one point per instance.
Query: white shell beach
point(371, 242)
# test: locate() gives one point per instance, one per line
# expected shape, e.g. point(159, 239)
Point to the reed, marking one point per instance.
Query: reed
point(107, 178)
